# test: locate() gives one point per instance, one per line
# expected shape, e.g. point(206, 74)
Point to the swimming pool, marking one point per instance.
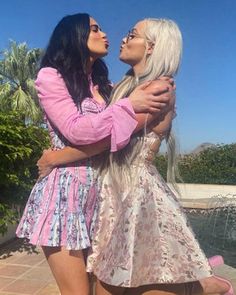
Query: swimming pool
point(215, 230)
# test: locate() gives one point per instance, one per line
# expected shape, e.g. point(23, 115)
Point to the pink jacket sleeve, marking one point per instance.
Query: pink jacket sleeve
point(117, 120)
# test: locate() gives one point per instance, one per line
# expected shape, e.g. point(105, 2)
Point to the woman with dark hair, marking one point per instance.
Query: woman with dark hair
point(73, 89)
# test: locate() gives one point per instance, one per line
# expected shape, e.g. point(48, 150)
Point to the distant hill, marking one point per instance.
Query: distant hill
point(202, 147)
point(196, 151)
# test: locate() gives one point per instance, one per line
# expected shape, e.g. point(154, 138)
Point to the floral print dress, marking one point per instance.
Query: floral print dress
point(61, 208)
point(142, 235)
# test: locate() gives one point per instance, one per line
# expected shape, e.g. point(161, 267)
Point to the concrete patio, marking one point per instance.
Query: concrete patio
point(24, 271)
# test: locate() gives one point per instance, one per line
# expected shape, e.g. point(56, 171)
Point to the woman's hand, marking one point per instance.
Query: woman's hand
point(44, 164)
point(153, 96)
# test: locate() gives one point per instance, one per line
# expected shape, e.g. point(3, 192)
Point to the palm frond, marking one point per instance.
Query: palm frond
point(5, 93)
point(18, 69)
point(23, 103)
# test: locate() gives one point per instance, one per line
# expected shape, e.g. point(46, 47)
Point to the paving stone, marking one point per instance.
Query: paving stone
point(51, 289)
point(30, 259)
point(5, 281)
point(43, 263)
point(13, 270)
point(28, 287)
point(11, 257)
point(39, 273)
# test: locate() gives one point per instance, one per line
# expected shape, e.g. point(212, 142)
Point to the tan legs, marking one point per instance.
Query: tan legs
point(161, 289)
point(207, 286)
point(68, 268)
point(104, 289)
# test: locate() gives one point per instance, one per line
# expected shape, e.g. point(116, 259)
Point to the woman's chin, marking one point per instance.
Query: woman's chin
point(123, 59)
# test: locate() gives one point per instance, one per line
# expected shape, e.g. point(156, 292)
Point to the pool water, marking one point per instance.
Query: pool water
point(216, 231)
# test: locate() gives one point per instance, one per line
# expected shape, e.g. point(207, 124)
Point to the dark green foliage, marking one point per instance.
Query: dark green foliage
point(215, 165)
point(161, 164)
point(20, 147)
point(7, 216)
point(21, 144)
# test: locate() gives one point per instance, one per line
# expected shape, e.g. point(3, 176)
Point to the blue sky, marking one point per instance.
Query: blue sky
point(206, 99)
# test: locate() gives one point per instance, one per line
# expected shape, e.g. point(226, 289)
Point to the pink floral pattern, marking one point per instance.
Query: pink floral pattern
point(61, 209)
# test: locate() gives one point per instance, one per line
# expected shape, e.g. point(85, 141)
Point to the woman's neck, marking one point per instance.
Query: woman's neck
point(138, 69)
point(90, 65)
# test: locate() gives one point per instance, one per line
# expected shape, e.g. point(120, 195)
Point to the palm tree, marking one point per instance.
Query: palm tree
point(18, 68)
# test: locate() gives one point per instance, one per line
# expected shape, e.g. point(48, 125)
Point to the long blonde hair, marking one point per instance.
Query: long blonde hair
point(164, 61)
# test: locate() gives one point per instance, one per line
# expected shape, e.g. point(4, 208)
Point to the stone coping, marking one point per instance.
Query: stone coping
point(208, 203)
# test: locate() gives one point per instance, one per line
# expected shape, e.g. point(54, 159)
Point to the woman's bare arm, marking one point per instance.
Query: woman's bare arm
point(168, 96)
point(162, 125)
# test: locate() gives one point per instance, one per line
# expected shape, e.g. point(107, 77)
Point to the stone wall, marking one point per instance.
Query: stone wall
point(205, 191)
point(9, 235)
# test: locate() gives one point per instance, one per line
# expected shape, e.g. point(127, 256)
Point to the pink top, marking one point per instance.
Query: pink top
point(117, 120)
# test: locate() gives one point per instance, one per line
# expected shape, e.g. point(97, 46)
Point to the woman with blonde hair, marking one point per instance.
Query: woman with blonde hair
point(142, 242)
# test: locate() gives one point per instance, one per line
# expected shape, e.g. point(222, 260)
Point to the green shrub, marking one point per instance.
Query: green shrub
point(20, 147)
point(214, 165)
